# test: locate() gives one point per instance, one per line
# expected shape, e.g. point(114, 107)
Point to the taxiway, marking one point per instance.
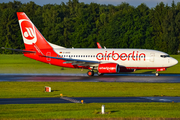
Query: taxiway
point(87, 100)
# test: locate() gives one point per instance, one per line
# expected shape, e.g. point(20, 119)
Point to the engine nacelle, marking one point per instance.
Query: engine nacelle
point(108, 68)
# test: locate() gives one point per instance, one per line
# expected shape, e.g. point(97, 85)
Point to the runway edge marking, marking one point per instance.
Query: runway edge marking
point(160, 99)
point(70, 99)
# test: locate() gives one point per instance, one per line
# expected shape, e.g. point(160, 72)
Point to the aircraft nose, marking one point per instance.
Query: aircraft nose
point(174, 61)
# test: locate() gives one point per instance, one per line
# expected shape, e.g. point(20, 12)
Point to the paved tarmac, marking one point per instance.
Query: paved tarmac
point(87, 100)
point(148, 78)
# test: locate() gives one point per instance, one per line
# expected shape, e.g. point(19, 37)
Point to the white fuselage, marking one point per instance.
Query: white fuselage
point(132, 58)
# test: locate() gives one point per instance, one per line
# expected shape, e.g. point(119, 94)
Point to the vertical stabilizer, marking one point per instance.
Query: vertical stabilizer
point(31, 35)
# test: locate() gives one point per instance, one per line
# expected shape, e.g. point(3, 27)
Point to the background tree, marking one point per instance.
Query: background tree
point(76, 24)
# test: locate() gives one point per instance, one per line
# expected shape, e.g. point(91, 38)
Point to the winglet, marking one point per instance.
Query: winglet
point(99, 46)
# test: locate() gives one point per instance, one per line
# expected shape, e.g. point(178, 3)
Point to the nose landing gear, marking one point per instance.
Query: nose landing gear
point(157, 74)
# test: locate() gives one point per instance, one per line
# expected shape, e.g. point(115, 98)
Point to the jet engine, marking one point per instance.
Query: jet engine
point(108, 68)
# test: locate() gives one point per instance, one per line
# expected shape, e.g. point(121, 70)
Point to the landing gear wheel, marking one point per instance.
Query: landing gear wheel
point(100, 74)
point(157, 74)
point(90, 73)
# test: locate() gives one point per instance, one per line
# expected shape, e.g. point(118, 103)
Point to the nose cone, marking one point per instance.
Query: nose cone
point(174, 61)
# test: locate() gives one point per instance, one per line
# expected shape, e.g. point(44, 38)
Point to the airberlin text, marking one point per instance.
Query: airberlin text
point(135, 56)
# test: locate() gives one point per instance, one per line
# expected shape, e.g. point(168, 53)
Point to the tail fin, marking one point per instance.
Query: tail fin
point(31, 34)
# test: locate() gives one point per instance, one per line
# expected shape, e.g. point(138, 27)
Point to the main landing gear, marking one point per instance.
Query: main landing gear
point(100, 74)
point(90, 73)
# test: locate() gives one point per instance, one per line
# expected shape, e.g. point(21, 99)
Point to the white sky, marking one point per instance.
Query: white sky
point(135, 3)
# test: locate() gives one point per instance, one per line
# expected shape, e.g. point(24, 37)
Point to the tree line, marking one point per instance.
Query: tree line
point(80, 25)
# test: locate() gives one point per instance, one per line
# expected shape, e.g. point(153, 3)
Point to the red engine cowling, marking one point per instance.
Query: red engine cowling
point(108, 68)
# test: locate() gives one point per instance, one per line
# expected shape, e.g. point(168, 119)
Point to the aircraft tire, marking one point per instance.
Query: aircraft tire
point(90, 73)
point(157, 74)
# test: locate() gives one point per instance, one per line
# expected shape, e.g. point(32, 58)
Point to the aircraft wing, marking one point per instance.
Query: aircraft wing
point(99, 46)
point(18, 50)
point(77, 61)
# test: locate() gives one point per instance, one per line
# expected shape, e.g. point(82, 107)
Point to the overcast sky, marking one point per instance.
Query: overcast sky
point(135, 3)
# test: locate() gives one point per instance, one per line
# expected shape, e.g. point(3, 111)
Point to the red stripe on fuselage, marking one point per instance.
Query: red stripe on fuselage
point(145, 67)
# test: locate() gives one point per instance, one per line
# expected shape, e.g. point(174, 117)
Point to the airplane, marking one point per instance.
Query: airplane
point(95, 59)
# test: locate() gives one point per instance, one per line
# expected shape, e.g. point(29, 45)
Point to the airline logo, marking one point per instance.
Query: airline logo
point(135, 56)
point(28, 32)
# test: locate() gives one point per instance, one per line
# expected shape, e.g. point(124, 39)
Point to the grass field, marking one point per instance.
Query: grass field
point(20, 64)
point(134, 111)
point(87, 89)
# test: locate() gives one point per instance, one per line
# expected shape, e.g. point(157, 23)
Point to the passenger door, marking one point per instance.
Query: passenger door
point(152, 55)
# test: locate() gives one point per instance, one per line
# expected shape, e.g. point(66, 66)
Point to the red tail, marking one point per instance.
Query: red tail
point(30, 34)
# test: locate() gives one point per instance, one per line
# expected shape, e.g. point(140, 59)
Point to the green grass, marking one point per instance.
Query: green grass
point(87, 89)
point(17, 63)
point(72, 110)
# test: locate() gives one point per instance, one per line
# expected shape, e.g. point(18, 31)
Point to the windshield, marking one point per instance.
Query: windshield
point(164, 56)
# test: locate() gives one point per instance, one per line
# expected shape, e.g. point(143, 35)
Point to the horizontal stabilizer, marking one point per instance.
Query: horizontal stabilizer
point(19, 50)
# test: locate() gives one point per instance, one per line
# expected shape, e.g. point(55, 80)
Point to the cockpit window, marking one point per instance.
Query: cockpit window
point(164, 56)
